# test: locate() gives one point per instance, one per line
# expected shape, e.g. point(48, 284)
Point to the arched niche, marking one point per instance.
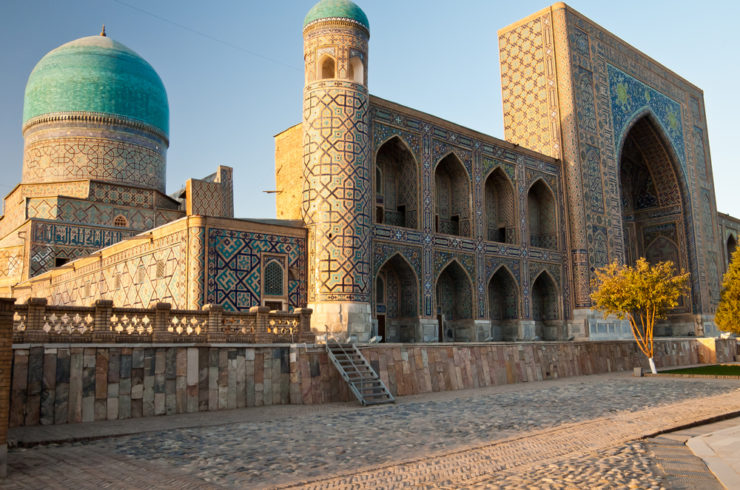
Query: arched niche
point(503, 303)
point(454, 295)
point(356, 69)
point(397, 184)
point(731, 247)
point(452, 197)
point(500, 215)
point(542, 218)
point(546, 307)
point(398, 316)
point(327, 67)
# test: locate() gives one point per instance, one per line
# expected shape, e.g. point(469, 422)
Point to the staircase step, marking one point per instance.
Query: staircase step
point(363, 381)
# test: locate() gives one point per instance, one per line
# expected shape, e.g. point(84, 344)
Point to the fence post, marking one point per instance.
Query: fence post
point(160, 333)
point(304, 329)
point(103, 312)
point(261, 335)
point(215, 315)
point(36, 319)
point(6, 363)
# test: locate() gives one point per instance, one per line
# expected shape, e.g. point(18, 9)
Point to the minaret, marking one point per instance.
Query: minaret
point(336, 155)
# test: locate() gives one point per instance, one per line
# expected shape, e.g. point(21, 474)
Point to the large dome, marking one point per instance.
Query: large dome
point(336, 9)
point(99, 75)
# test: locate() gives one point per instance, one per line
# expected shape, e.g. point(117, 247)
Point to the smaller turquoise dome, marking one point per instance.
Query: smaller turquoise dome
point(99, 75)
point(337, 9)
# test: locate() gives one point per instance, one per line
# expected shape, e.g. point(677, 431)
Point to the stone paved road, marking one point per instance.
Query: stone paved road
point(566, 425)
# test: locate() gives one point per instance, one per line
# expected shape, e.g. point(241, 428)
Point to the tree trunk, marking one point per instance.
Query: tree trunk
point(652, 366)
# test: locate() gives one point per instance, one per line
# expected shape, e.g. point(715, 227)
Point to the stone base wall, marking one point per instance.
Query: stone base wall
point(68, 383)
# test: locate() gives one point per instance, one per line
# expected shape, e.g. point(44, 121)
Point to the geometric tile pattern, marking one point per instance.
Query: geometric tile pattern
point(234, 268)
point(336, 196)
point(525, 88)
point(138, 277)
point(207, 198)
point(68, 158)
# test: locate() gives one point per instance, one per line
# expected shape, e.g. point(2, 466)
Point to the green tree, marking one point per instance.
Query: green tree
point(727, 316)
point(642, 294)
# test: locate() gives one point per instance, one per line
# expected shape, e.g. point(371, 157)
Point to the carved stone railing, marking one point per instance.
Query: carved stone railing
point(37, 322)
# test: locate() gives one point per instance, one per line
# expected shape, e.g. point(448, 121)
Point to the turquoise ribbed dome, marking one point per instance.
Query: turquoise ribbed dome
point(336, 9)
point(97, 74)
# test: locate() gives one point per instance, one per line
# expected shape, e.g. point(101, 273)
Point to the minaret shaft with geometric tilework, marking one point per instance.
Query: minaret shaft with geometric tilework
point(337, 185)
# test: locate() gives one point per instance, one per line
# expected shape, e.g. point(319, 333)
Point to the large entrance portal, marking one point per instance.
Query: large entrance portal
point(653, 202)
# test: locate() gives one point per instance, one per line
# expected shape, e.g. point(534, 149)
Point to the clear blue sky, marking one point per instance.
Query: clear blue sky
point(233, 70)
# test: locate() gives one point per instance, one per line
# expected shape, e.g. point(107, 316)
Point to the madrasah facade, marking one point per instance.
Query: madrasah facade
point(403, 225)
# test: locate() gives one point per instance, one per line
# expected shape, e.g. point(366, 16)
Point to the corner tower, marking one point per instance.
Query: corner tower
point(336, 155)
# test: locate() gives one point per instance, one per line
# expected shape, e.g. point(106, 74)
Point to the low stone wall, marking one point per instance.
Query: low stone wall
point(67, 383)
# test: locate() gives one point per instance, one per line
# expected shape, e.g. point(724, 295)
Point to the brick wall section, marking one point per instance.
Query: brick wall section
point(63, 383)
point(6, 359)
point(289, 172)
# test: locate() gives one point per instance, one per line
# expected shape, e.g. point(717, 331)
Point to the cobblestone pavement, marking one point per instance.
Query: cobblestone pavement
point(576, 432)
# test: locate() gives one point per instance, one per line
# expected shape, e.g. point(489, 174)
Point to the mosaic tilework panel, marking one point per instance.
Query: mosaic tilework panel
point(51, 240)
point(234, 275)
point(383, 251)
point(336, 197)
point(384, 132)
point(86, 212)
point(700, 156)
point(134, 196)
point(43, 257)
point(196, 268)
point(15, 211)
point(442, 259)
point(492, 264)
point(49, 160)
point(83, 236)
point(138, 277)
point(206, 198)
point(536, 268)
point(527, 70)
point(629, 97)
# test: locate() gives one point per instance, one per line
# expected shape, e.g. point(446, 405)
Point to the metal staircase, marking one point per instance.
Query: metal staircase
point(362, 379)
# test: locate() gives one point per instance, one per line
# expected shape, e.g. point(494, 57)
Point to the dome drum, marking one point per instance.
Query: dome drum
point(63, 149)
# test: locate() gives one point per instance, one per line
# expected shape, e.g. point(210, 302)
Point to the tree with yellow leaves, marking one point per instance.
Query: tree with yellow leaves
point(642, 294)
point(727, 316)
